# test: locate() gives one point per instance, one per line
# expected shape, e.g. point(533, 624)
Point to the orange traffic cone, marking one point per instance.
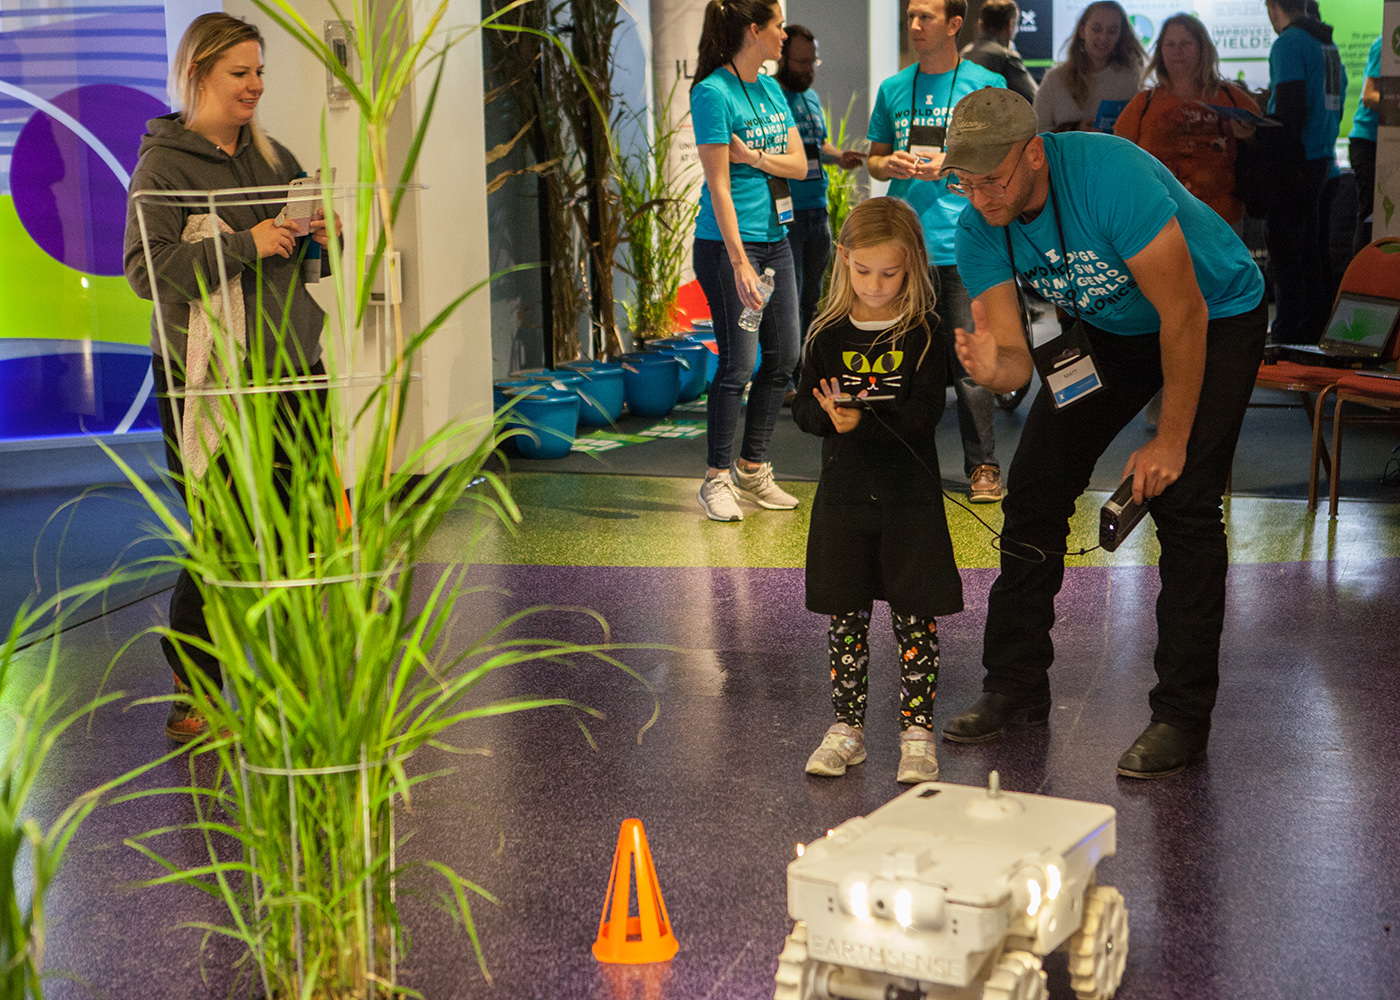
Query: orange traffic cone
point(643, 938)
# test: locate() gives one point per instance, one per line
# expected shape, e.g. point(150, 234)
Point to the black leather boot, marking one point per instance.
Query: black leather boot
point(991, 714)
point(1161, 750)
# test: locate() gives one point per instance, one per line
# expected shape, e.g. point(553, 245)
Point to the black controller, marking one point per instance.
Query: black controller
point(1119, 516)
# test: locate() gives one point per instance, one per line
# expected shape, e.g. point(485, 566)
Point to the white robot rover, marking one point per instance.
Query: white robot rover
point(955, 893)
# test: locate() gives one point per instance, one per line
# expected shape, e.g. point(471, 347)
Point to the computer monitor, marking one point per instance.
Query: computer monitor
point(1361, 326)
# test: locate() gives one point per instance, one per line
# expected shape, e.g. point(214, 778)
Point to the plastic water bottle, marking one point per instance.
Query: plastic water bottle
point(750, 319)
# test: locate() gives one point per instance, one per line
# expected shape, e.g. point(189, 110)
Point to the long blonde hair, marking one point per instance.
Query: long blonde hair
point(207, 38)
point(872, 222)
point(1128, 52)
point(1207, 79)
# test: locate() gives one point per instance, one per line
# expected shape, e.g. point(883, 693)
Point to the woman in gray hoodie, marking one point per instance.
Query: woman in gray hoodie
point(214, 143)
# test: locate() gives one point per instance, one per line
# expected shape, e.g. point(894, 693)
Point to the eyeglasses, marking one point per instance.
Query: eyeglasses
point(992, 189)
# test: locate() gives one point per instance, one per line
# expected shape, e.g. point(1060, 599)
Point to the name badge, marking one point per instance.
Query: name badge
point(926, 141)
point(814, 160)
point(1066, 366)
point(782, 199)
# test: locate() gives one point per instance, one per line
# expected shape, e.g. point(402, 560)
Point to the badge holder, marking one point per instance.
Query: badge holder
point(782, 199)
point(1066, 364)
point(927, 141)
point(814, 160)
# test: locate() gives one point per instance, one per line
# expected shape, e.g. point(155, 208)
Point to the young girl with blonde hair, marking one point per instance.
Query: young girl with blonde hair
point(873, 388)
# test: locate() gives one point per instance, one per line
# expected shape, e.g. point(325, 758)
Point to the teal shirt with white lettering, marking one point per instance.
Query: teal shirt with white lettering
point(1114, 199)
point(937, 207)
point(806, 108)
point(722, 105)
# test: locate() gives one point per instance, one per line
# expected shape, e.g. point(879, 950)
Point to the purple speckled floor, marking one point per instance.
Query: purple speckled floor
point(1272, 869)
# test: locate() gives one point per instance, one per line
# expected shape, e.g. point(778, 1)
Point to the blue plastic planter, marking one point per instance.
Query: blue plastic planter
point(712, 354)
point(651, 382)
point(602, 392)
point(503, 390)
point(550, 417)
point(694, 372)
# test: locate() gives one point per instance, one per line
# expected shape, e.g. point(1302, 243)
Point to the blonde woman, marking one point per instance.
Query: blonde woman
point(214, 142)
point(1104, 64)
point(873, 385)
point(1173, 119)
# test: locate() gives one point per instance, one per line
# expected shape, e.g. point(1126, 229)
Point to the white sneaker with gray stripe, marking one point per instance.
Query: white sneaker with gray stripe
point(718, 499)
point(758, 487)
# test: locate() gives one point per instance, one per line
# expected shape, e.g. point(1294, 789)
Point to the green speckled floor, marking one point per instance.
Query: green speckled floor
point(572, 520)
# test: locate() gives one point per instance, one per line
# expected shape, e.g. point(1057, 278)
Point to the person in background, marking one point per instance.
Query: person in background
point(908, 129)
point(878, 529)
point(1361, 146)
point(749, 149)
point(995, 50)
point(810, 232)
point(1173, 119)
point(213, 143)
point(1306, 86)
point(1105, 64)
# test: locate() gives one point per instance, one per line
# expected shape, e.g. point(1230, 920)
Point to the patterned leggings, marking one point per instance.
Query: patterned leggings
point(849, 642)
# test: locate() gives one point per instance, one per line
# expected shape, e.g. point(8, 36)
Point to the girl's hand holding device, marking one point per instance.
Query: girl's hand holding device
point(829, 395)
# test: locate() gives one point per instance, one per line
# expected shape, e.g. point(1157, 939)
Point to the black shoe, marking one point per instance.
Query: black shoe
point(1161, 750)
point(994, 712)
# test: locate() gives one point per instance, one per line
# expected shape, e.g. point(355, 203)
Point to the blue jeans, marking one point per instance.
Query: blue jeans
point(738, 349)
point(977, 406)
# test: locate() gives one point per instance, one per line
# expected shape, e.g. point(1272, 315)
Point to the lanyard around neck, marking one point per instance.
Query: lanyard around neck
point(1064, 257)
point(914, 98)
point(763, 136)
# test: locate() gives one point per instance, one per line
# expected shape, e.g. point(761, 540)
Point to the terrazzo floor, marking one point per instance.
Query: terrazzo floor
point(1270, 869)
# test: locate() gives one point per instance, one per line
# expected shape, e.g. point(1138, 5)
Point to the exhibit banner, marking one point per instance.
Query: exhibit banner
point(77, 85)
point(1386, 220)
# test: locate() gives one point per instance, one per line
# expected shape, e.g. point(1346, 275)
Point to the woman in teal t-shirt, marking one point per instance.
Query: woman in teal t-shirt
point(749, 147)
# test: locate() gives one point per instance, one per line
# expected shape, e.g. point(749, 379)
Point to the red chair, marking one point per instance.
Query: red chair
point(1365, 389)
point(1374, 271)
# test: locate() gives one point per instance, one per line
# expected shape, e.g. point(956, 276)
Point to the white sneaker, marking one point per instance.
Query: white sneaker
point(917, 761)
point(718, 499)
point(841, 747)
point(758, 487)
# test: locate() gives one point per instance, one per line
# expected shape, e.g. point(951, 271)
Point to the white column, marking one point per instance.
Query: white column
point(884, 60)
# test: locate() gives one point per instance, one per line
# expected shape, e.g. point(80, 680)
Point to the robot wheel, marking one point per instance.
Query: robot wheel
point(1098, 951)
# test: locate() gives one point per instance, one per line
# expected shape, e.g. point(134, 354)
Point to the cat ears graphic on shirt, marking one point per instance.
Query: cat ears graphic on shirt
point(882, 365)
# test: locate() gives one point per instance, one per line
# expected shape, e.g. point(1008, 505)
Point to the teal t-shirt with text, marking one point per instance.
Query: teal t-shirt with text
point(896, 106)
point(1113, 200)
point(806, 108)
point(722, 105)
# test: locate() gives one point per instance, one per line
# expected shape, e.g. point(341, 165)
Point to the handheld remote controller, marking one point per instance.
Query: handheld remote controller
point(1119, 516)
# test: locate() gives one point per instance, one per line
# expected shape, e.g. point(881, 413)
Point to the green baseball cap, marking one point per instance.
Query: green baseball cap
point(985, 125)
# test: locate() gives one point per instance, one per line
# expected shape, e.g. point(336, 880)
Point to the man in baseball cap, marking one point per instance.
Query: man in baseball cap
point(1160, 293)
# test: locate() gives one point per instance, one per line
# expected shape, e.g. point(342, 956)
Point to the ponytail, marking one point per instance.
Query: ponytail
point(722, 36)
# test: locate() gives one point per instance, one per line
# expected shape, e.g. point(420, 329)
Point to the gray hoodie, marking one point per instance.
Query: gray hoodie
point(174, 158)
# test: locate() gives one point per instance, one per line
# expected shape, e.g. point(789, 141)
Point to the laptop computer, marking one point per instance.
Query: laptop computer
point(1359, 332)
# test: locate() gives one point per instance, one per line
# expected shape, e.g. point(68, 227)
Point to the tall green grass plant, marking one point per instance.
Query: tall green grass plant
point(335, 644)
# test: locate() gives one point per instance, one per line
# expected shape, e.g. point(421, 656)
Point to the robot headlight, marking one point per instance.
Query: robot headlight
point(1038, 883)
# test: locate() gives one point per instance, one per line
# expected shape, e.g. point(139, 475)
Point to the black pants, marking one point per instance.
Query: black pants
point(1301, 276)
point(1051, 469)
point(1362, 153)
point(186, 600)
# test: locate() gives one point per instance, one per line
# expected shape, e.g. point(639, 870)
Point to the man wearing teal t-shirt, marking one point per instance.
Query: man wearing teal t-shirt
point(1306, 88)
point(809, 233)
point(906, 148)
point(1164, 296)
